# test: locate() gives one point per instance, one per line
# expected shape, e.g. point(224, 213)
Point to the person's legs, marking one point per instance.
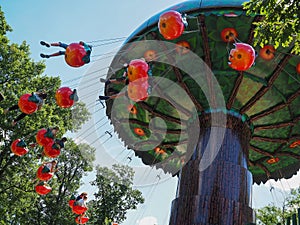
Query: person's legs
point(52, 55)
point(101, 97)
point(57, 53)
point(104, 97)
point(21, 116)
point(44, 56)
point(114, 81)
point(14, 107)
point(59, 44)
point(45, 44)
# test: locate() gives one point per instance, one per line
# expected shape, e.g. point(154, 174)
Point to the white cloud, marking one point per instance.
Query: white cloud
point(149, 220)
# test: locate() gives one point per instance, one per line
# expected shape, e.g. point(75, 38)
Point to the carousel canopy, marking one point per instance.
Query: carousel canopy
point(264, 97)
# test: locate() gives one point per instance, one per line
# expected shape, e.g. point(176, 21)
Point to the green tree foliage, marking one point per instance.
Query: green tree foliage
point(20, 204)
point(4, 27)
point(53, 209)
point(115, 195)
point(272, 214)
point(269, 215)
point(281, 23)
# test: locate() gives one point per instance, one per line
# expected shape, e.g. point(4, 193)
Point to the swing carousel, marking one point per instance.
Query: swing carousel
point(215, 111)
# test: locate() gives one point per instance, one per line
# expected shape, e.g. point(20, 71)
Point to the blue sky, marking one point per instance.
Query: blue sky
point(73, 20)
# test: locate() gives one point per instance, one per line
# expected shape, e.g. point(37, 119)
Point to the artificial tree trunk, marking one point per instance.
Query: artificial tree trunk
point(220, 194)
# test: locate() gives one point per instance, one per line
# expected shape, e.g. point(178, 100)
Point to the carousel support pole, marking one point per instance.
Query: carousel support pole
point(220, 194)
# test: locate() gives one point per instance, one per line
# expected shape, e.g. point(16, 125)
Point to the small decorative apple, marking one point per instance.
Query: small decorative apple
point(138, 90)
point(132, 109)
point(295, 144)
point(298, 68)
point(183, 47)
point(267, 52)
point(18, 147)
point(273, 160)
point(150, 55)
point(65, 97)
point(171, 24)
point(229, 34)
point(137, 69)
point(241, 57)
point(159, 151)
point(27, 106)
point(139, 131)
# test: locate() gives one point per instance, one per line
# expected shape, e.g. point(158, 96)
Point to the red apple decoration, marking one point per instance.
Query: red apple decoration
point(267, 52)
point(138, 90)
point(295, 144)
point(42, 189)
point(43, 176)
point(159, 151)
point(171, 25)
point(273, 160)
point(18, 147)
point(64, 97)
point(74, 54)
point(229, 34)
point(241, 57)
point(41, 139)
point(78, 209)
point(139, 131)
point(150, 55)
point(50, 151)
point(83, 220)
point(137, 69)
point(183, 47)
point(27, 106)
point(298, 68)
point(132, 109)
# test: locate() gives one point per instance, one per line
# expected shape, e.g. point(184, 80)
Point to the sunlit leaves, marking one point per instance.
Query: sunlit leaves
point(115, 194)
point(281, 24)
